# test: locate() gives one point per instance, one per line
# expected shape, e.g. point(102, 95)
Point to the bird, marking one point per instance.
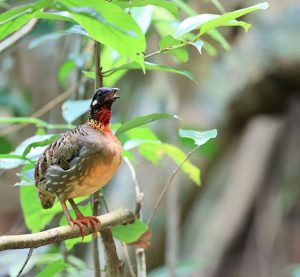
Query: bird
point(80, 161)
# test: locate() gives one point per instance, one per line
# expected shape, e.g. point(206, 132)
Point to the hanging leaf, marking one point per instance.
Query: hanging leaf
point(16, 18)
point(207, 22)
point(52, 269)
point(151, 66)
point(199, 137)
point(36, 218)
point(171, 7)
point(110, 25)
point(154, 151)
point(198, 44)
point(141, 120)
point(130, 232)
point(40, 143)
point(16, 158)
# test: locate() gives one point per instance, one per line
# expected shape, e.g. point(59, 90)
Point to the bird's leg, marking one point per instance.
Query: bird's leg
point(71, 220)
point(86, 220)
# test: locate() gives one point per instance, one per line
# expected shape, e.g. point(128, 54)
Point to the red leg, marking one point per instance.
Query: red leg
point(86, 220)
point(71, 221)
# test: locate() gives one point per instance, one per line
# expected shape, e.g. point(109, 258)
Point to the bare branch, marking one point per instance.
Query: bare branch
point(63, 233)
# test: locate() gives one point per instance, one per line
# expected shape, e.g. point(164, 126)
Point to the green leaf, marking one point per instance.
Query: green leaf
point(245, 25)
point(110, 25)
point(14, 19)
point(141, 132)
point(64, 71)
point(170, 45)
point(152, 66)
point(36, 218)
point(129, 233)
point(58, 16)
point(169, 41)
point(171, 7)
point(9, 161)
point(199, 137)
point(154, 151)
point(73, 109)
point(52, 268)
point(16, 158)
point(207, 22)
point(141, 120)
point(198, 44)
point(40, 143)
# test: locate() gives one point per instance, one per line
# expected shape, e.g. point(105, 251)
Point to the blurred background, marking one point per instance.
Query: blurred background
point(244, 220)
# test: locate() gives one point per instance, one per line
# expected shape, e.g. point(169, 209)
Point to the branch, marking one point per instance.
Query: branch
point(139, 252)
point(63, 233)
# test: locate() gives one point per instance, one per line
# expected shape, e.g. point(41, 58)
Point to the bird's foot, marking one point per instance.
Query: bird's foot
point(88, 221)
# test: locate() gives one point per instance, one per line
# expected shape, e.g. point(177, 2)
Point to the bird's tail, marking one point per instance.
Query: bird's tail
point(47, 199)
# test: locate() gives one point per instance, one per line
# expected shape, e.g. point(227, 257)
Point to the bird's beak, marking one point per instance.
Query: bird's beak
point(112, 97)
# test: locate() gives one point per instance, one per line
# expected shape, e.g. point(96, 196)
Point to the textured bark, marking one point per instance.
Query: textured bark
point(58, 234)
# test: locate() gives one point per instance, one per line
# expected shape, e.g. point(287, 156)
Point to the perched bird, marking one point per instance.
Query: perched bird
point(80, 161)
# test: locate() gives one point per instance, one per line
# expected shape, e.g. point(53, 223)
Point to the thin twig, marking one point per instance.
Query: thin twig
point(139, 252)
point(164, 190)
point(26, 261)
point(58, 234)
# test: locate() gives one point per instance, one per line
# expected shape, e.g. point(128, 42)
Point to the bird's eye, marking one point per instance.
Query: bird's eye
point(95, 102)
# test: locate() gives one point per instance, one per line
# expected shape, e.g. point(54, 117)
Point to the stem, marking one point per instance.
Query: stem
point(111, 71)
point(96, 195)
point(26, 261)
point(139, 252)
point(164, 190)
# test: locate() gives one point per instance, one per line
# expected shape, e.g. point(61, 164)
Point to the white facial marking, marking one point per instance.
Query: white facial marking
point(95, 102)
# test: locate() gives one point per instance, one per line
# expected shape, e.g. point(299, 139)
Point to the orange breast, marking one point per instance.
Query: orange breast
point(100, 172)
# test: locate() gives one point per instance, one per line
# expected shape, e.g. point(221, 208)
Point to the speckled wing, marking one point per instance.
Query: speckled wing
point(65, 160)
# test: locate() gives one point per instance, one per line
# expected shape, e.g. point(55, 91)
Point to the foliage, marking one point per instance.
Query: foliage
point(121, 27)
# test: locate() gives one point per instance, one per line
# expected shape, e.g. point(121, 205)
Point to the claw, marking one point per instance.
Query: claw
point(88, 221)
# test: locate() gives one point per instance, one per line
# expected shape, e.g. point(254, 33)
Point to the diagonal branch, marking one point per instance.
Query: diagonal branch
point(63, 233)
